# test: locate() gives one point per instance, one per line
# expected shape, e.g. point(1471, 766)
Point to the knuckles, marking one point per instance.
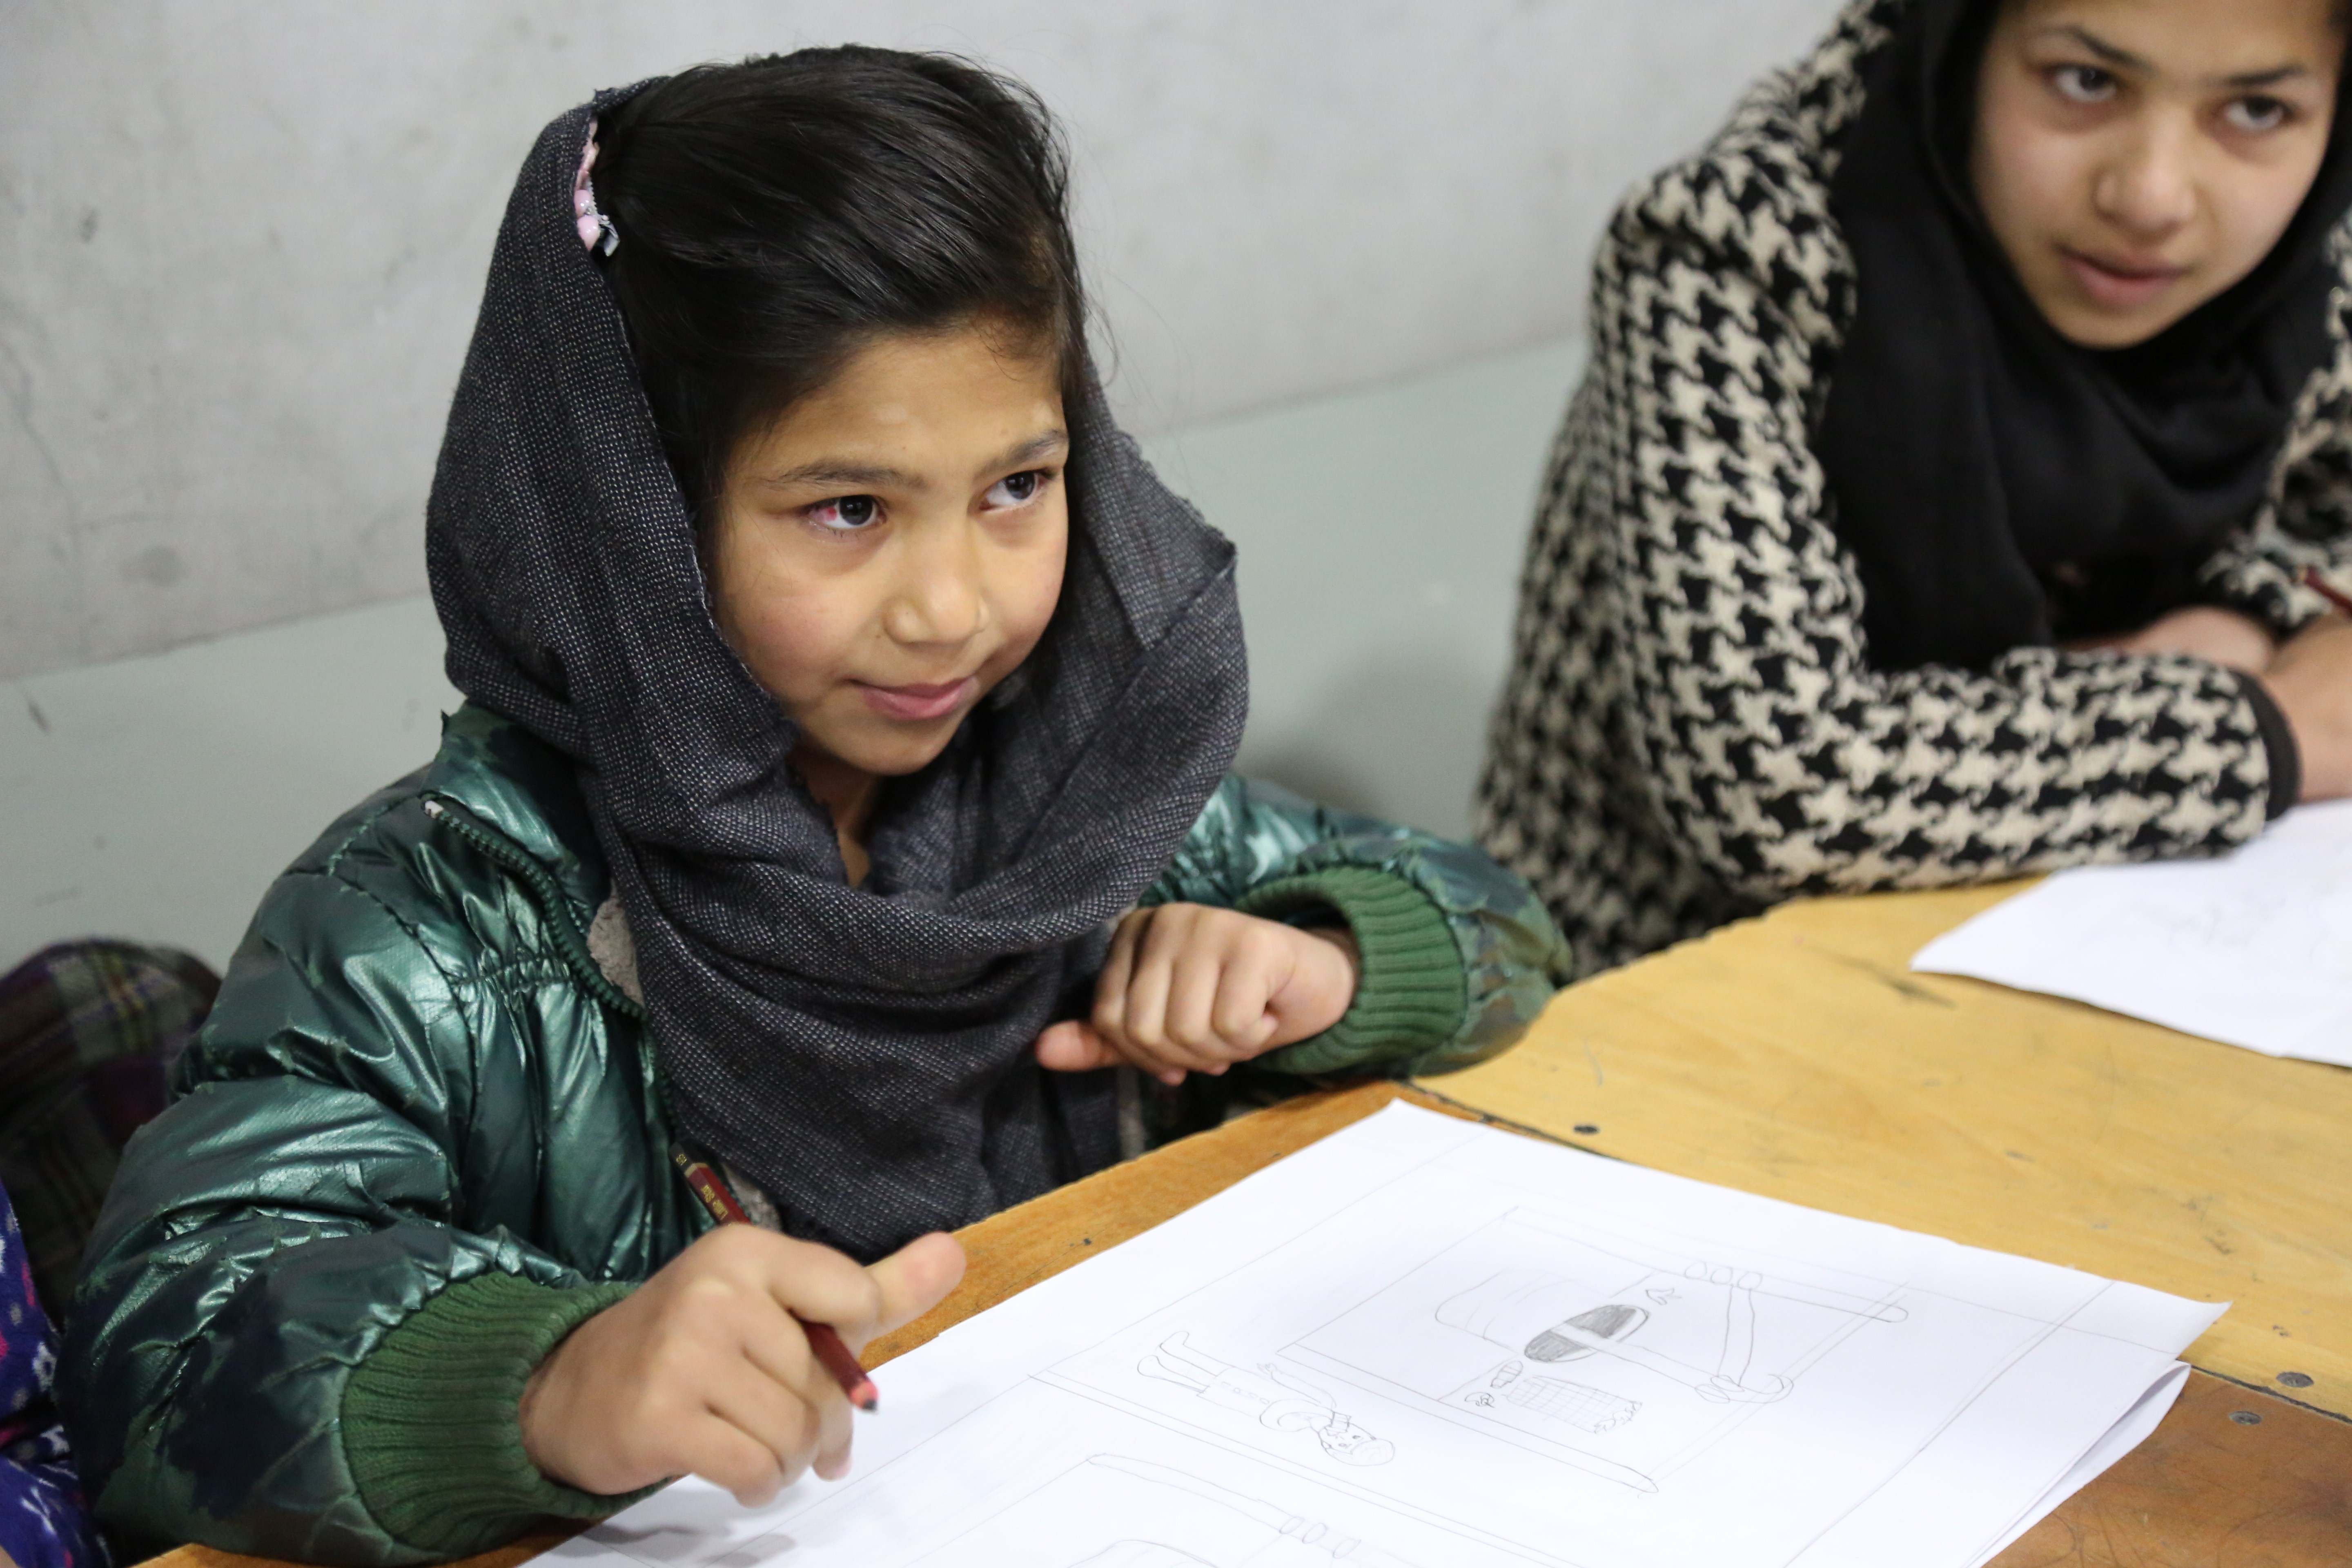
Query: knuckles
point(736, 1247)
point(1174, 947)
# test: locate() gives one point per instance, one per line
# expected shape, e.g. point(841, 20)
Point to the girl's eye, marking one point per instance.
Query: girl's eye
point(1015, 489)
point(2256, 115)
point(2084, 84)
point(844, 514)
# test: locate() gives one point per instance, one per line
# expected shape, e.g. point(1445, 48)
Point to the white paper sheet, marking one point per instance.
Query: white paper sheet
point(2138, 1423)
point(2253, 949)
point(1423, 1343)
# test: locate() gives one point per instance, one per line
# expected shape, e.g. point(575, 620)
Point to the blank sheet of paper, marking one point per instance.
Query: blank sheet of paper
point(2252, 949)
point(1424, 1343)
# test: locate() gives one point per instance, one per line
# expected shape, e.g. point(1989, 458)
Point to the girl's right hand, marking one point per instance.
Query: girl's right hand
point(2312, 681)
point(704, 1370)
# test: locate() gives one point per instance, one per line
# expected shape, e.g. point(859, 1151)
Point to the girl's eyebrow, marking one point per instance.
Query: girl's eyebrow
point(2126, 61)
point(2270, 78)
point(2101, 47)
point(827, 473)
point(1043, 444)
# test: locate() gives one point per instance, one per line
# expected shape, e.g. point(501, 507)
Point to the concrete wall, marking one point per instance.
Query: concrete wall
point(154, 799)
point(241, 240)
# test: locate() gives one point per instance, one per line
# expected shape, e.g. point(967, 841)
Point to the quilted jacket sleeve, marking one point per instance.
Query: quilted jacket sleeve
point(1458, 956)
point(299, 1215)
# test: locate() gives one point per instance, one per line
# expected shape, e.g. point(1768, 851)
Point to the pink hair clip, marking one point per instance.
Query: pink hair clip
point(596, 230)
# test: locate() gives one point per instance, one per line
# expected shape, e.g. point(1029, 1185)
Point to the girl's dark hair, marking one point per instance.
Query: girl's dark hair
point(776, 216)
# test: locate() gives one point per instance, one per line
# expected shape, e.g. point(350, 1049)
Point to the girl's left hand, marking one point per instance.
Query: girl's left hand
point(1189, 988)
point(2201, 631)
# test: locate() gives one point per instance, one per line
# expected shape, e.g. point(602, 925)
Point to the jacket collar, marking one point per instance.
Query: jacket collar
point(516, 785)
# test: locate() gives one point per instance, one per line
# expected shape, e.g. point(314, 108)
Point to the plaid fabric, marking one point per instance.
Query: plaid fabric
point(88, 1031)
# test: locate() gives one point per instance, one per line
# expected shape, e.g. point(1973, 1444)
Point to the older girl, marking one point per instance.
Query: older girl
point(1957, 483)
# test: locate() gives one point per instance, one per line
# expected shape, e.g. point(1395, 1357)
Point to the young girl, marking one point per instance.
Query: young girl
point(840, 680)
point(1960, 431)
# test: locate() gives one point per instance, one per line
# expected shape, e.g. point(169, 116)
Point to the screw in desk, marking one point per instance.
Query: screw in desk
point(1586, 1129)
point(2245, 1418)
point(2296, 1379)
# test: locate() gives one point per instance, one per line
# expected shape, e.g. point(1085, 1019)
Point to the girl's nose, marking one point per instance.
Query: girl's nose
point(940, 599)
point(2150, 187)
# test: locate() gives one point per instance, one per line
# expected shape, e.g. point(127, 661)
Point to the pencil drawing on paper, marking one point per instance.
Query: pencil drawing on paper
point(1158, 1516)
point(1612, 1356)
point(2288, 932)
point(1589, 1409)
point(1296, 1538)
point(1280, 1399)
point(1538, 1316)
point(1556, 1361)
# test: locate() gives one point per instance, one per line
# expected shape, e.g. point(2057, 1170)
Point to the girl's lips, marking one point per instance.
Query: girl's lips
point(920, 702)
point(2119, 287)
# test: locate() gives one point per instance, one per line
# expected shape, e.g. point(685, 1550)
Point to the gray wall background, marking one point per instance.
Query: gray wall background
point(241, 241)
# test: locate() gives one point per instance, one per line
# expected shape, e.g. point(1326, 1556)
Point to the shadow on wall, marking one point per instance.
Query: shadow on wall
point(1400, 737)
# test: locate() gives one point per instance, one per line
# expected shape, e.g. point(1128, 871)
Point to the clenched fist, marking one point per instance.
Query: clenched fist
point(1189, 988)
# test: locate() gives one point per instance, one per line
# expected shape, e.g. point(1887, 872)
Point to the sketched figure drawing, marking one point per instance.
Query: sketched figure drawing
point(2288, 932)
point(1277, 1398)
point(1552, 1321)
point(1587, 1409)
point(1296, 1539)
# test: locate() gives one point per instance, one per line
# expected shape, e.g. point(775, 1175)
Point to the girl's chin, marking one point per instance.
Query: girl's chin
point(2098, 308)
point(2092, 327)
point(882, 748)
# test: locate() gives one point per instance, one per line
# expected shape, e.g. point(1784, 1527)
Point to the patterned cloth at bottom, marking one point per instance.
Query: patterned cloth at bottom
point(43, 1521)
point(89, 1031)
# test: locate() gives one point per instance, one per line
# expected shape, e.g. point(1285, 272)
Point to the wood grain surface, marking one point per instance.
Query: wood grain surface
point(1796, 1056)
point(2212, 1489)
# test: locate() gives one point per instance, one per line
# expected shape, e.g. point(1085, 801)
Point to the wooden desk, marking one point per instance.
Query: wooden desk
point(1795, 1057)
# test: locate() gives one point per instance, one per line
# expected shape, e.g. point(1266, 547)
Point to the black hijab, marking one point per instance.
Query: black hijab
point(1998, 486)
point(863, 1054)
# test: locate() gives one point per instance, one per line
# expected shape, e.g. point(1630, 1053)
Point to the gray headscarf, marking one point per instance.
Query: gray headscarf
point(863, 1054)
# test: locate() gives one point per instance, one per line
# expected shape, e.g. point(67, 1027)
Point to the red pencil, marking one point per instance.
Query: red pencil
point(2318, 584)
point(832, 1354)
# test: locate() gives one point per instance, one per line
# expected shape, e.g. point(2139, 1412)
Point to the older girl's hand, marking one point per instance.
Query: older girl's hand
point(2311, 681)
point(704, 1371)
point(1189, 988)
point(2201, 631)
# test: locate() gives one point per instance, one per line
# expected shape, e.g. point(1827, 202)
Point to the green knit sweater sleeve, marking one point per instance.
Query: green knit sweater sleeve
point(1456, 954)
point(1410, 992)
point(429, 1425)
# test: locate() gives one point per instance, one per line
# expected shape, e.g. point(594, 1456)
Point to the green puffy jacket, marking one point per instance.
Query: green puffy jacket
point(422, 1137)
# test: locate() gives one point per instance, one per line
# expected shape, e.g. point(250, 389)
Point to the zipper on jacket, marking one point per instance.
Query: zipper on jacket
point(571, 942)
